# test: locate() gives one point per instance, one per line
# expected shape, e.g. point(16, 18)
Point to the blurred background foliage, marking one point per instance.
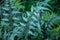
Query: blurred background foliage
point(55, 4)
point(29, 20)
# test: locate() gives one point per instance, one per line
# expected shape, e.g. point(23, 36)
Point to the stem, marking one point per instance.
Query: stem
point(5, 33)
point(10, 15)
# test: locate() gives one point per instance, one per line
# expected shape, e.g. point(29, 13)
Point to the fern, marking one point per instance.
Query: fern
point(26, 25)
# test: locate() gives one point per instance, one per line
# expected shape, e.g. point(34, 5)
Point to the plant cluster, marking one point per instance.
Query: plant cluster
point(35, 24)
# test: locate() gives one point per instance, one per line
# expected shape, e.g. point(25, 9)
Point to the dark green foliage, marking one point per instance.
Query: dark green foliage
point(34, 22)
point(55, 5)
